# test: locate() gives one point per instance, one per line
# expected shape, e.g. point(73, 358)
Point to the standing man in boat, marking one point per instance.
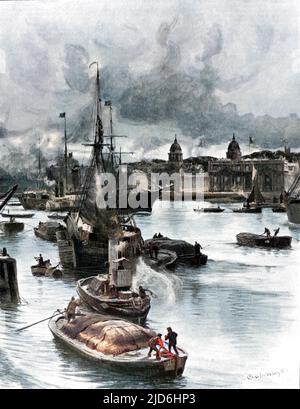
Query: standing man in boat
point(41, 262)
point(71, 309)
point(172, 338)
point(276, 231)
point(267, 232)
point(197, 248)
point(155, 249)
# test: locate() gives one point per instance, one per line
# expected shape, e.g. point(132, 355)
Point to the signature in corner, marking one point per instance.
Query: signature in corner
point(261, 375)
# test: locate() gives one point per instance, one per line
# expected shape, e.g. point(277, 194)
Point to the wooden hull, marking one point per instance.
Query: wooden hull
point(279, 210)
point(246, 210)
point(125, 362)
point(47, 233)
point(19, 215)
point(209, 210)
point(46, 271)
point(255, 240)
point(114, 306)
point(33, 203)
point(75, 255)
point(200, 261)
point(11, 227)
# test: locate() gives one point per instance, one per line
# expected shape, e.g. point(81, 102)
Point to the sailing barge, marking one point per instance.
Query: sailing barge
point(255, 200)
point(116, 344)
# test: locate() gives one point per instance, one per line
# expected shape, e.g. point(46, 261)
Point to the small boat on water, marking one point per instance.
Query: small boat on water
point(259, 240)
point(255, 200)
point(210, 209)
point(116, 344)
point(45, 268)
point(48, 230)
point(12, 226)
point(9, 291)
point(248, 210)
point(57, 216)
point(279, 209)
point(35, 199)
point(62, 204)
point(15, 204)
point(95, 292)
point(19, 215)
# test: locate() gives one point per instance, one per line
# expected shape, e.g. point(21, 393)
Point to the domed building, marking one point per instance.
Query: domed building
point(233, 151)
point(175, 154)
point(235, 174)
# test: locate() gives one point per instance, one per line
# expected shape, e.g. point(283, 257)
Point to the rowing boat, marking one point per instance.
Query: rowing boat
point(256, 240)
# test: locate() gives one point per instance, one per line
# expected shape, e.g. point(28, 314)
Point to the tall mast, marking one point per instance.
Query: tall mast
point(63, 115)
point(66, 156)
point(98, 141)
point(39, 162)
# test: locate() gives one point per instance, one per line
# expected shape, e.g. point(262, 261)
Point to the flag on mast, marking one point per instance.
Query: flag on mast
point(62, 115)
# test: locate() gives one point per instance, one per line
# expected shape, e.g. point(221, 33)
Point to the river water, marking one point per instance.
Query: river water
point(238, 316)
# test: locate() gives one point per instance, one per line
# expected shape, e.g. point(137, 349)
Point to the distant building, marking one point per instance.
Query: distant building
point(233, 151)
point(234, 174)
point(175, 154)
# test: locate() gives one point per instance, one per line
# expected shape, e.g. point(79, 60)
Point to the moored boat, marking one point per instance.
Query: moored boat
point(116, 344)
point(11, 226)
point(18, 215)
point(57, 216)
point(248, 210)
point(35, 199)
point(210, 210)
point(258, 240)
point(48, 230)
point(61, 204)
point(279, 209)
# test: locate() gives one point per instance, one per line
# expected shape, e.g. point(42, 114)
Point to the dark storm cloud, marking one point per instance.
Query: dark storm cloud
point(76, 67)
point(180, 64)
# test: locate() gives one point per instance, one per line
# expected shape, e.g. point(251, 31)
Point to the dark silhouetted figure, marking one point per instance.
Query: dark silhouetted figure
point(281, 198)
point(267, 232)
point(155, 249)
point(172, 338)
point(276, 231)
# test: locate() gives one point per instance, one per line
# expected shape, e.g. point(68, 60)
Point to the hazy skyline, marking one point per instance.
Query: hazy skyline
point(164, 63)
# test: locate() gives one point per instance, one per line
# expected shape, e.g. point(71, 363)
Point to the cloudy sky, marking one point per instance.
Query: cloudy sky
point(163, 64)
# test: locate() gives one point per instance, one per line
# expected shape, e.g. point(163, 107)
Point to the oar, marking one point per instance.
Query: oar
point(35, 323)
point(205, 247)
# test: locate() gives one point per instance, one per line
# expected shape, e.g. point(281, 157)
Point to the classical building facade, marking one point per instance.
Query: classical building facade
point(234, 174)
